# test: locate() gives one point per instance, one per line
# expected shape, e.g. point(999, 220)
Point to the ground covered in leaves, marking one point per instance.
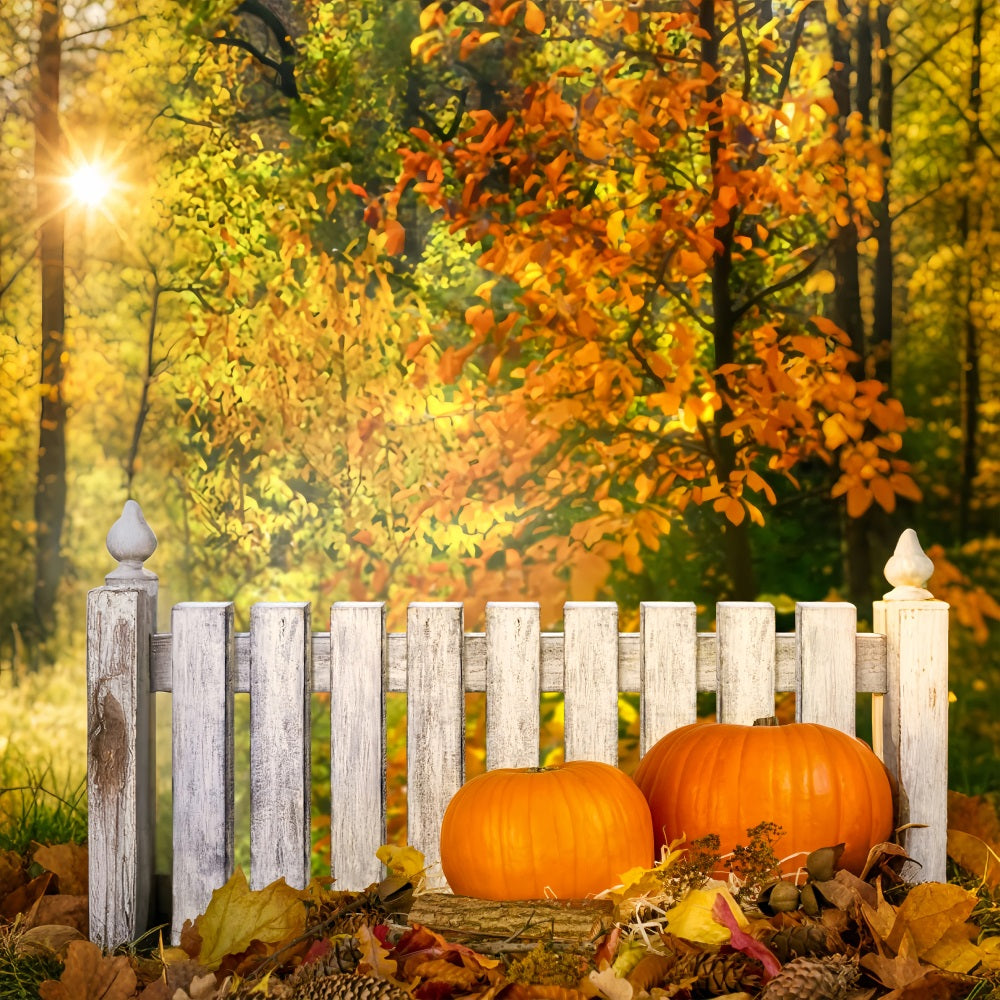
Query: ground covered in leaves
point(673, 931)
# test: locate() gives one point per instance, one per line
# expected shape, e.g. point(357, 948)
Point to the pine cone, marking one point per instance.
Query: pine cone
point(347, 986)
point(717, 973)
point(800, 939)
point(343, 956)
point(813, 979)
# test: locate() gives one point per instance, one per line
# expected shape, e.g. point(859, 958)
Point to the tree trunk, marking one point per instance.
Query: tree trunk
point(970, 390)
point(847, 292)
point(846, 304)
point(50, 491)
point(881, 345)
point(736, 541)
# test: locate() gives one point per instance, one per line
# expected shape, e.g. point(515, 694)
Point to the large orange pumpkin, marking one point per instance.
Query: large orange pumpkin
point(821, 786)
point(568, 830)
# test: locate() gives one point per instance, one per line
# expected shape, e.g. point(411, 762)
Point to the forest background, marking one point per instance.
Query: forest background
point(496, 299)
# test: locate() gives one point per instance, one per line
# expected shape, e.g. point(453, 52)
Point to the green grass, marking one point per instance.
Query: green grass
point(21, 975)
point(38, 806)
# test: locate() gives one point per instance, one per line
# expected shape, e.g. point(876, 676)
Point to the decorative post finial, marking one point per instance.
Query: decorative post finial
point(131, 542)
point(908, 570)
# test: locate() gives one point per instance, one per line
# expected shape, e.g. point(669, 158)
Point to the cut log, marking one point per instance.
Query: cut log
point(575, 922)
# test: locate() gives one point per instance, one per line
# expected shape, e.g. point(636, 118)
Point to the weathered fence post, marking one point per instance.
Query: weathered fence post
point(121, 619)
point(914, 731)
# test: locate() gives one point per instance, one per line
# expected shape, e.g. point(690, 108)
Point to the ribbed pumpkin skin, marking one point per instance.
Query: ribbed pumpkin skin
point(821, 786)
point(569, 830)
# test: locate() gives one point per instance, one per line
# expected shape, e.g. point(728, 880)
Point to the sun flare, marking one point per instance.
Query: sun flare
point(89, 184)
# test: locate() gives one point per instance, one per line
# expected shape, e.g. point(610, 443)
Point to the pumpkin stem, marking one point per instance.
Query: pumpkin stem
point(768, 720)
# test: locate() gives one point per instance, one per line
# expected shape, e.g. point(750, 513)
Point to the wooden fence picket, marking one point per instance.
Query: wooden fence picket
point(590, 664)
point(668, 669)
point(746, 662)
point(826, 664)
point(435, 724)
point(204, 661)
point(280, 742)
point(358, 655)
point(513, 674)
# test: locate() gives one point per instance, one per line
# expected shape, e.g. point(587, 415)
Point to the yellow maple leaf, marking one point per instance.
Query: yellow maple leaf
point(374, 957)
point(692, 917)
point(407, 862)
point(237, 915)
point(933, 916)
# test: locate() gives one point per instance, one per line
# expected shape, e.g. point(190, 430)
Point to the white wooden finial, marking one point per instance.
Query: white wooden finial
point(131, 542)
point(908, 570)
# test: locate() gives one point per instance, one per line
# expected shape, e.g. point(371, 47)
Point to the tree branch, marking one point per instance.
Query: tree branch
point(793, 48)
point(792, 279)
point(285, 68)
point(928, 56)
point(5, 287)
point(168, 112)
point(143, 411)
point(104, 27)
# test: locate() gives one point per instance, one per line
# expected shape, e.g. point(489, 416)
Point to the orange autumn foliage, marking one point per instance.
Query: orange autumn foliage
point(652, 213)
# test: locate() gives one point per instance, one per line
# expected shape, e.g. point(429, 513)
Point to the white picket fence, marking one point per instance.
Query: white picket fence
point(281, 661)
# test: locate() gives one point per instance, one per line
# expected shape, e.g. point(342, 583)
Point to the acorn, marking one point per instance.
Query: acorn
point(810, 902)
point(779, 897)
point(821, 863)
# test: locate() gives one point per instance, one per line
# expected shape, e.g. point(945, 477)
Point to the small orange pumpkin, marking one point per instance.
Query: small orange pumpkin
point(821, 786)
point(567, 830)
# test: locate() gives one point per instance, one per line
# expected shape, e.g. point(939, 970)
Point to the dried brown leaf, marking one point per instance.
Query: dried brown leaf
point(888, 860)
point(974, 814)
point(68, 862)
point(608, 985)
point(931, 912)
point(909, 979)
point(25, 896)
point(156, 991)
point(441, 970)
point(895, 971)
point(990, 950)
point(522, 991)
point(180, 975)
point(491, 991)
point(975, 855)
point(12, 873)
point(91, 975)
point(934, 918)
point(374, 956)
point(73, 911)
point(651, 970)
point(863, 891)
point(190, 940)
point(880, 918)
point(836, 892)
point(201, 988)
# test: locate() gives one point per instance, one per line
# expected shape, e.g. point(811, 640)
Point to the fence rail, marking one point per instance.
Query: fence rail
point(280, 662)
point(869, 654)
